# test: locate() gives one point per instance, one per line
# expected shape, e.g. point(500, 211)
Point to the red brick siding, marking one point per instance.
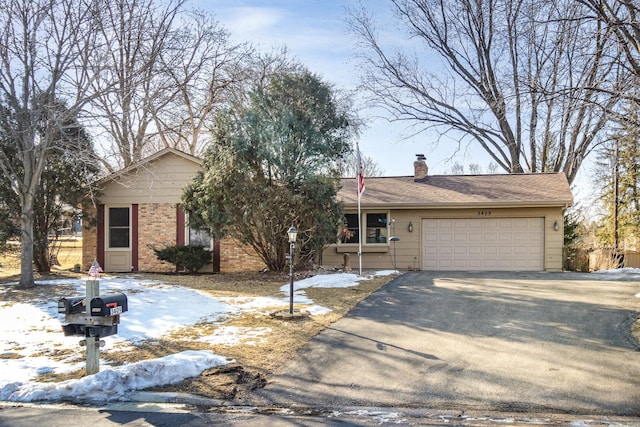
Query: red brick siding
point(234, 257)
point(156, 227)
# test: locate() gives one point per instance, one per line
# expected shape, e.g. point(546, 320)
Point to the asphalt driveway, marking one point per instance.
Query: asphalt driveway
point(526, 343)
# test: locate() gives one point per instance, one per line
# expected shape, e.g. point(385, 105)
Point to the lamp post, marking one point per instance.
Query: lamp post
point(293, 233)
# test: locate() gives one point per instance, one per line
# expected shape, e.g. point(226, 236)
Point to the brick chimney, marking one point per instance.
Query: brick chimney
point(420, 168)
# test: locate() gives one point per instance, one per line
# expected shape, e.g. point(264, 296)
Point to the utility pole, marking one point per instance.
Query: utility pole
point(616, 173)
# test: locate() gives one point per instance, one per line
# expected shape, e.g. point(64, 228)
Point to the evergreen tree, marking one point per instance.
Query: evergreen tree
point(274, 161)
point(619, 172)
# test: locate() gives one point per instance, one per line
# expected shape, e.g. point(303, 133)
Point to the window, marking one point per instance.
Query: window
point(197, 236)
point(200, 237)
point(119, 227)
point(350, 235)
point(376, 229)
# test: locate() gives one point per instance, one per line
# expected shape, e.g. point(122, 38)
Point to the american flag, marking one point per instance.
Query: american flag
point(95, 269)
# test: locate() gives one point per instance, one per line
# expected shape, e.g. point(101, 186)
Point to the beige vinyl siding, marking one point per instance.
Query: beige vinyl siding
point(161, 181)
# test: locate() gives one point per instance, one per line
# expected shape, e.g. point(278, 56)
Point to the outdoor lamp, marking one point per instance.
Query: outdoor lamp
point(293, 233)
point(556, 226)
point(410, 227)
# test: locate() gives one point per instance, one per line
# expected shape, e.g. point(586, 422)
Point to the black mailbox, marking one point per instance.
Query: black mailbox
point(73, 329)
point(101, 331)
point(89, 331)
point(109, 305)
point(71, 305)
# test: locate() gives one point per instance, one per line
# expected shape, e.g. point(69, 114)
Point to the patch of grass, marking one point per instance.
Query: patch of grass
point(11, 356)
point(69, 255)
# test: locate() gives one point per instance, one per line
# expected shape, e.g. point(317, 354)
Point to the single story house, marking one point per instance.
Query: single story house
point(508, 222)
point(139, 207)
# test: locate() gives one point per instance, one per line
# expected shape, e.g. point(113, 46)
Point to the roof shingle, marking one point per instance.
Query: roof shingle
point(441, 191)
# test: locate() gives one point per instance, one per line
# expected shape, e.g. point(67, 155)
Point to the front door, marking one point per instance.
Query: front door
point(118, 239)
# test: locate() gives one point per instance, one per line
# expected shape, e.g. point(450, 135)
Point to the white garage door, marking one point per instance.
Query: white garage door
point(492, 244)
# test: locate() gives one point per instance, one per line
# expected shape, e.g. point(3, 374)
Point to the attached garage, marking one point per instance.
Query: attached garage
point(490, 244)
point(494, 222)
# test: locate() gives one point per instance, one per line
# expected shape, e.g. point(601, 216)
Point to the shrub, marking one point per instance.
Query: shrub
point(190, 258)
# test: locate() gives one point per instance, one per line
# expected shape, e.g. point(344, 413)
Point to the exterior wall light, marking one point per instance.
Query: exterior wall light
point(556, 226)
point(410, 227)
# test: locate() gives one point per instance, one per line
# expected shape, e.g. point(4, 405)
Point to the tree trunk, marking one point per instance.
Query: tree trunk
point(43, 259)
point(26, 243)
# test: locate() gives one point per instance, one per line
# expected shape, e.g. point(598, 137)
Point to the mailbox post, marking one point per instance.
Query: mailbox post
point(93, 346)
point(93, 316)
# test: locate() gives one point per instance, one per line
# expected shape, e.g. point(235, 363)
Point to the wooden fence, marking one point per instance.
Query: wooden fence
point(607, 259)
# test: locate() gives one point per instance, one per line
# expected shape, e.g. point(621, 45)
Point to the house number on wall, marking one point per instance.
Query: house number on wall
point(484, 213)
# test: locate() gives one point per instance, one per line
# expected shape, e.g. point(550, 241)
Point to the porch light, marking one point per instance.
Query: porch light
point(410, 227)
point(556, 226)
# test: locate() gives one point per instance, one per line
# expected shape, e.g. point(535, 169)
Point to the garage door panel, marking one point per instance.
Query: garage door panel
point(489, 237)
point(490, 250)
point(430, 251)
point(483, 244)
point(445, 250)
point(473, 264)
point(475, 237)
point(506, 250)
point(488, 224)
point(490, 264)
point(460, 237)
point(475, 250)
point(459, 263)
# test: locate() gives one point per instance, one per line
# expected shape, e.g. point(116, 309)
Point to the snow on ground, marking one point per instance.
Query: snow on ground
point(31, 337)
point(621, 273)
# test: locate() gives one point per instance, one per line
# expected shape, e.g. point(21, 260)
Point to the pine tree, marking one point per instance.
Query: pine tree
point(274, 161)
point(619, 177)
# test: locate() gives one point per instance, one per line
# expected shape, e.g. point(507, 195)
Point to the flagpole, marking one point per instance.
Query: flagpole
point(359, 232)
point(359, 190)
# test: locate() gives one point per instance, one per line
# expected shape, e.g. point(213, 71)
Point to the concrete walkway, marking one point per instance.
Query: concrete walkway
point(524, 343)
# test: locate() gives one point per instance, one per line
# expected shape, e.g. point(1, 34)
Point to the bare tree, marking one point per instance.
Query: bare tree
point(475, 169)
point(133, 84)
point(530, 81)
point(349, 167)
point(44, 51)
point(203, 68)
point(623, 18)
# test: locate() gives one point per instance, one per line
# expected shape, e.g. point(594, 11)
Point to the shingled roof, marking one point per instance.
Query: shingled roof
point(457, 191)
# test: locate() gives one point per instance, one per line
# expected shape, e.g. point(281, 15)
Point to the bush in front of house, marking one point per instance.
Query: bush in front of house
point(189, 258)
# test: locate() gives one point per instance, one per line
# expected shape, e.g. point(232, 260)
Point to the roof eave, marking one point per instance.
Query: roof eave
point(465, 205)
